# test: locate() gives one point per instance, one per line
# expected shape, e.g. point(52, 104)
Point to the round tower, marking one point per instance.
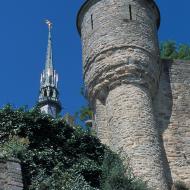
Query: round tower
point(121, 67)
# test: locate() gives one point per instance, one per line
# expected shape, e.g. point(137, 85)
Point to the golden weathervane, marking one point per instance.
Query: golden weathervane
point(49, 23)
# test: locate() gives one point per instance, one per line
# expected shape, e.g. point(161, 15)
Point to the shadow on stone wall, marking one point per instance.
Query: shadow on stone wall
point(163, 104)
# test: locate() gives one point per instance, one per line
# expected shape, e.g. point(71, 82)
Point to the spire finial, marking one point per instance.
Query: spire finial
point(49, 23)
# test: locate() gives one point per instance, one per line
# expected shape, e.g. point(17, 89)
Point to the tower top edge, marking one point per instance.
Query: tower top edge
point(88, 3)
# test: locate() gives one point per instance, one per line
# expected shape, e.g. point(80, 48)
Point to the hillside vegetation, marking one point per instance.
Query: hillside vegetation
point(56, 156)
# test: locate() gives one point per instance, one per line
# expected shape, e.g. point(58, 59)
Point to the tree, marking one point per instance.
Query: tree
point(170, 50)
point(184, 52)
point(50, 150)
point(85, 114)
point(57, 156)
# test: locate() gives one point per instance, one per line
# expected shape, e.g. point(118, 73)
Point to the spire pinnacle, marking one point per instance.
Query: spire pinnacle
point(49, 95)
point(49, 23)
point(49, 57)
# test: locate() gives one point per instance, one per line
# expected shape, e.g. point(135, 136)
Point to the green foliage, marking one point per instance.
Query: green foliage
point(170, 50)
point(114, 175)
point(180, 186)
point(60, 179)
point(57, 156)
point(184, 52)
point(51, 144)
point(15, 147)
point(85, 114)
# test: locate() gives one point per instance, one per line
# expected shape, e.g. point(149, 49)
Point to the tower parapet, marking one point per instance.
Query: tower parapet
point(121, 67)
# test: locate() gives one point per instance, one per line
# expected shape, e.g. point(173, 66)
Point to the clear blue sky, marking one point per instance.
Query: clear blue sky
point(23, 37)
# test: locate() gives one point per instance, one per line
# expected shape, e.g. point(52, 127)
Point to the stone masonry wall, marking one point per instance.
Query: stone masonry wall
point(121, 73)
point(101, 125)
point(10, 175)
point(141, 105)
point(134, 132)
point(113, 40)
point(172, 110)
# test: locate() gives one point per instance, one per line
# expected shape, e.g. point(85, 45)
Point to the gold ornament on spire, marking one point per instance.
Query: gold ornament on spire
point(49, 23)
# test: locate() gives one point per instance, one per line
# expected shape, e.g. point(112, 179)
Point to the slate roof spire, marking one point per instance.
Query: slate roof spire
point(49, 96)
point(49, 58)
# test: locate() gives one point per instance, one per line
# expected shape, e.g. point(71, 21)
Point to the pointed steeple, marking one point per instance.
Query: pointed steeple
point(49, 96)
point(49, 58)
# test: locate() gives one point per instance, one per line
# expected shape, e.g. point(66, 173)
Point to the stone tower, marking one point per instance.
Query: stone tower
point(49, 96)
point(121, 67)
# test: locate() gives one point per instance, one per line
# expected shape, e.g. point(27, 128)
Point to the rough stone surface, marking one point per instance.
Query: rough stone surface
point(135, 133)
point(10, 175)
point(172, 111)
point(141, 104)
point(112, 42)
point(101, 126)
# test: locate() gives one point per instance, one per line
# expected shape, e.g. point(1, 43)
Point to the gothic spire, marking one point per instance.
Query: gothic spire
point(49, 96)
point(49, 58)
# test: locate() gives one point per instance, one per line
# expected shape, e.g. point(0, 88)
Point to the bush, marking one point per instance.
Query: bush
point(46, 145)
point(180, 186)
point(116, 176)
point(57, 156)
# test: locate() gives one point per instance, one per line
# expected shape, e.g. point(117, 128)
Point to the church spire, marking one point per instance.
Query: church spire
point(49, 96)
point(49, 58)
